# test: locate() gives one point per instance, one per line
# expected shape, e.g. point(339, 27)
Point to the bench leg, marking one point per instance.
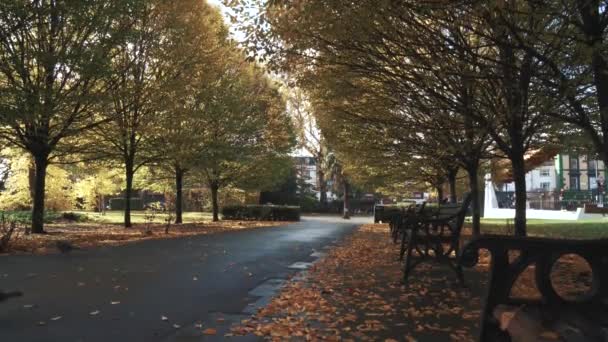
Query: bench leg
point(395, 233)
point(403, 244)
point(408, 258)
point(460, 276)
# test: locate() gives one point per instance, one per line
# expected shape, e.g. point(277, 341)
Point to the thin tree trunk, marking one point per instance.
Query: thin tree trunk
point(38, 199)
point(452, 181)
point(128, 193)
point(519, 176)
point(322, 187)
point(214, 202)
point(472, 172)
point(179, 184)
point(31, 173)
point(346, 211)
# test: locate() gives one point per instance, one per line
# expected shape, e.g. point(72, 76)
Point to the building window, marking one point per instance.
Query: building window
point(545, 172)
point(592, 182)
point(545, 185)
point(575, 183)
point(574, 163)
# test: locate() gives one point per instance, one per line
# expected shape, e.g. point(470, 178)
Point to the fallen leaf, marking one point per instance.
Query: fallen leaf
point(209, 331)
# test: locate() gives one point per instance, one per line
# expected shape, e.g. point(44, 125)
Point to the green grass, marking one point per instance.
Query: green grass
point(139, 216)
point(583, 229)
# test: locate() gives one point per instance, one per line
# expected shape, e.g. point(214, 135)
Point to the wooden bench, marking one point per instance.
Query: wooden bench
point(551, 317)
point(434, 234)
point(401, 221)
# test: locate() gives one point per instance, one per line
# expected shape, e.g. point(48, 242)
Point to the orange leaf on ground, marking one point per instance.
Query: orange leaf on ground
point(209, 331)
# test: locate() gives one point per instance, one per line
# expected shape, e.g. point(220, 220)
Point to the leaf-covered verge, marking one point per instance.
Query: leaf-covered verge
point(355, 293)
point(88, 235)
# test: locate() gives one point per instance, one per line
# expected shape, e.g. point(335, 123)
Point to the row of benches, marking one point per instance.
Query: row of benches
point(434, 234)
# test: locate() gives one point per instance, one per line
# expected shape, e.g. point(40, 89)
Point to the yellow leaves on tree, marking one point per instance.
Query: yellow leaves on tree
point(19, 182)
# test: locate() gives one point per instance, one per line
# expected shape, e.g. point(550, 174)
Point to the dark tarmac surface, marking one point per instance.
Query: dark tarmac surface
point(158, 290)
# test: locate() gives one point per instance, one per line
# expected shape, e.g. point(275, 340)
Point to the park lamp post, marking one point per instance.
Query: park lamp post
point(600, 192)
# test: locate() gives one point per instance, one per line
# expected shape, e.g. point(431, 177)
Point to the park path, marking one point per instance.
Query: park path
point(158, 290)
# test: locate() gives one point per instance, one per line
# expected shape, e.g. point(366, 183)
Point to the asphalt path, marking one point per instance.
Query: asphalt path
point(158, 290)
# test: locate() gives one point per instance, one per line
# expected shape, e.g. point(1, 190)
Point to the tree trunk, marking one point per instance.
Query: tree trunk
point(128, 193)
point(452, 181)
point(346, 211)
point(472, 172)
point(31, 175)
point(179, 184)
point(38, 199)
point(216, 208)
point(519, 176)
point(322, 187)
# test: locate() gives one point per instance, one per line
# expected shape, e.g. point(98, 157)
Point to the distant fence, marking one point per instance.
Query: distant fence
point(551, 200)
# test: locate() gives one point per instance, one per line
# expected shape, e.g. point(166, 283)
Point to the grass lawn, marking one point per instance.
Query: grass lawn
point(139, 216)
point(583, 229)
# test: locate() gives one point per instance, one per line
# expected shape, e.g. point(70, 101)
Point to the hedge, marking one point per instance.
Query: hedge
point(25, 217)
point(261, 212)
point(118, 203)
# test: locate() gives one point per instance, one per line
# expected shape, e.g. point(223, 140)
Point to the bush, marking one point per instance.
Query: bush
point(118, 203)
point(25, 217)
point(309, 204)
point(8, 232)
point(261, 212)
point(71, 216)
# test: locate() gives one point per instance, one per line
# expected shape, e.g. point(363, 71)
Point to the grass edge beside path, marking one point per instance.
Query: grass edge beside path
point(95, 234)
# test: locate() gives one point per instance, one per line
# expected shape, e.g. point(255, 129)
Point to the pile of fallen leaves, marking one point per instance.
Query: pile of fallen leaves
point(355, 293)
point(86, 235)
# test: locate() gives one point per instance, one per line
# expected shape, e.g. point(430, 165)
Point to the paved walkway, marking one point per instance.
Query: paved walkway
point(158, 290)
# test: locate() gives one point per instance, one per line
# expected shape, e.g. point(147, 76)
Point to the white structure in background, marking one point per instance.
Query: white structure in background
point(306, 170)
point(541, 178)
point(491, 209)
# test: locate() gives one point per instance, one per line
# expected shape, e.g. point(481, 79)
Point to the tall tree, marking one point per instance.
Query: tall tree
point(571, 43)
point(340, 179)
point(161, 49)
point(309, 136)
point(181, 127)
point(247, 128)
point(54, 63)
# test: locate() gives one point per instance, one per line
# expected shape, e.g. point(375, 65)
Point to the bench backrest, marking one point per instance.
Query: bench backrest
point(455, 213)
